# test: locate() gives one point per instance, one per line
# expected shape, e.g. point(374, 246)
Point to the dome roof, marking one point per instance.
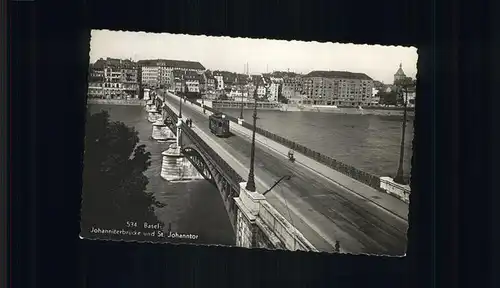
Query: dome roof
point(400, 71)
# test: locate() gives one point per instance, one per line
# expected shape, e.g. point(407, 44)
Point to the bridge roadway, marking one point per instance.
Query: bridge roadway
point(319, 208)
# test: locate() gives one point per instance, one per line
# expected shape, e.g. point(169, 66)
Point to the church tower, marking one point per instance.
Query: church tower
point(400, 74)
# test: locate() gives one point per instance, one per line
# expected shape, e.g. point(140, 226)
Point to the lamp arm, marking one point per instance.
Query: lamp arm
point(276, 183)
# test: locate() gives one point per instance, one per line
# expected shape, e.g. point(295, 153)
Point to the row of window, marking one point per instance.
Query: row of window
point(336, 93)
point(341, 98)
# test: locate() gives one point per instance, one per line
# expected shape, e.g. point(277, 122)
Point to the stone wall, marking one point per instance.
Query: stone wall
point(286, 234)
point(244, 230)
point(263, 241)
point(259, 225)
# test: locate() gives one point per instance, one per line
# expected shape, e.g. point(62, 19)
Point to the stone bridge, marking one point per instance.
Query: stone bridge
point(254, 220)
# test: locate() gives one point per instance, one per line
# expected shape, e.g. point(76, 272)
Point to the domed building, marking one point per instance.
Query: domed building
point(400, 74)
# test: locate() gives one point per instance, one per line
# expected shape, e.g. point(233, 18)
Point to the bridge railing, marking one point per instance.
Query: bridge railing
point(283, 229)
point(353, 172)
point(197, 141)
point(233, 175)
point(364, 177)
point(359, 175)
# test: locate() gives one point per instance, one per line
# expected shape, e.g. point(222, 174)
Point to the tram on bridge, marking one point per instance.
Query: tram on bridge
point(219, 125)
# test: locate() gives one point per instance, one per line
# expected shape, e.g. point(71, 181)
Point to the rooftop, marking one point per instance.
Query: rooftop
point(172, 63)
point(281, 74)
point(187, 75)
point(339, 74)
point(113, 63)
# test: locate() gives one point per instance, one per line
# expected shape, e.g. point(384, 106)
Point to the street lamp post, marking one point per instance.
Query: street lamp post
point(251, 181)
point(180, 106)
point(203, 102)
point(241, 112)
point(399, 175)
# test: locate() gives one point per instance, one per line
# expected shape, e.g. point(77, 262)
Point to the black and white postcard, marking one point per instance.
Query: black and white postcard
point(254, 143)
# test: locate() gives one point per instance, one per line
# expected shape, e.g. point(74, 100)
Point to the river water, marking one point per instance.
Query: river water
point(192, 207)
point(370, 143)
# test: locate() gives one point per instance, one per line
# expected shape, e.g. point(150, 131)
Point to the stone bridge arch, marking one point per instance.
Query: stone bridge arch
point(212, 173)
point(200, 163)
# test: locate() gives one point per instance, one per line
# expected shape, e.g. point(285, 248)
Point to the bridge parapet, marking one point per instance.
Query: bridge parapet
point(198, 142)
point(291, 238)
point(257, 224)
point(368, 179)
point(260, 225)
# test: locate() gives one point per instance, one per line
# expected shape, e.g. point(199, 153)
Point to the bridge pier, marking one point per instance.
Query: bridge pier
point(150, 107)
point(161, 132)
point(155, 116)
point(176, 167)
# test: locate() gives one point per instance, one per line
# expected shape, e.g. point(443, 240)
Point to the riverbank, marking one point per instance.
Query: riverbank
point(381, 111)
point(128, 102)
point(261, 105)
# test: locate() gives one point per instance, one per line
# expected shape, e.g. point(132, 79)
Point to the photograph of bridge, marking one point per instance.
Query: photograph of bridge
point(251, 143)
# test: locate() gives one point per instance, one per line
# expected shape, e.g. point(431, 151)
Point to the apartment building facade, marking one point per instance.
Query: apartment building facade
point(130, 81)
point(192, 81)
point(150, 76)
point(337, 88)
point(293, 89)
point(210, 81)
point(261, 91)
point(158, 73)
point(273, 91)
point(113, 78)
point(220, 81)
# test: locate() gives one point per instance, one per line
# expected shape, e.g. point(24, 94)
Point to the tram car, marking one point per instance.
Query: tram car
point(219, 125)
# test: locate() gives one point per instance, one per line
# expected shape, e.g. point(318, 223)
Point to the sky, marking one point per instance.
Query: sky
point(262, 55)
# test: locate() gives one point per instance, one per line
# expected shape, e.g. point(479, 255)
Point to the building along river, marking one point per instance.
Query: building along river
point(190, 207)
point(370, 143)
